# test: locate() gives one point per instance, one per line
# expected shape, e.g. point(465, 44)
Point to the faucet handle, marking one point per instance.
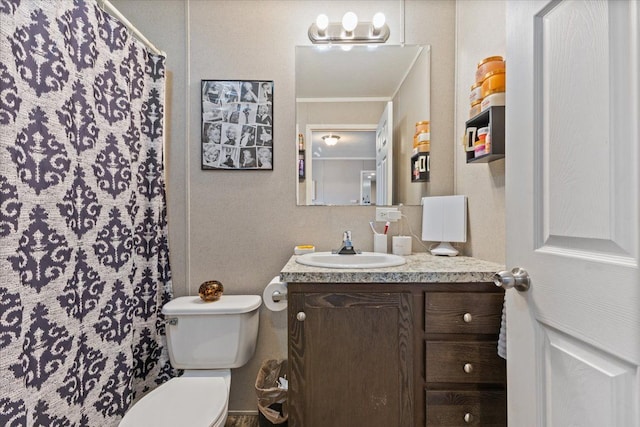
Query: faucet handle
point(347, 246)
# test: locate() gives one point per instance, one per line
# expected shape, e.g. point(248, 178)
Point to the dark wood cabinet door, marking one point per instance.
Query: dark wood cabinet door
point(350, 359)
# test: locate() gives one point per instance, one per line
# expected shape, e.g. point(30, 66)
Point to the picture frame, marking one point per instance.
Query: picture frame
point(237, 125)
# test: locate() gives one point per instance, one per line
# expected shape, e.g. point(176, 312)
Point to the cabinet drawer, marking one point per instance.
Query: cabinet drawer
point(467, 408)
point(463, 312)
point(464, 362)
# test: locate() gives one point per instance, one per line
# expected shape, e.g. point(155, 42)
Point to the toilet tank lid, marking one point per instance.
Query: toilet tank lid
point(227, 304)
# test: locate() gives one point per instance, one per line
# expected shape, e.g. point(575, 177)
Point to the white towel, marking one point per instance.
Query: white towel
point(502, 338)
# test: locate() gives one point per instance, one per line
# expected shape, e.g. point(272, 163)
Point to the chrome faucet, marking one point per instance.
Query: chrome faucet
point(347, 247)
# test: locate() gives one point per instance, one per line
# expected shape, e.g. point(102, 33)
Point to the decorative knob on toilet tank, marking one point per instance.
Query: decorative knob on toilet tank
point(275, 295)
point(211, 290)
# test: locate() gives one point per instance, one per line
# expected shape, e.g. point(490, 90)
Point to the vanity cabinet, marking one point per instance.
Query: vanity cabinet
point(465, 379)
point(350, 356)
point(395, 354)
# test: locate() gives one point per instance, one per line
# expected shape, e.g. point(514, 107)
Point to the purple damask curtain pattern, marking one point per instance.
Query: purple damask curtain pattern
point(84, 257)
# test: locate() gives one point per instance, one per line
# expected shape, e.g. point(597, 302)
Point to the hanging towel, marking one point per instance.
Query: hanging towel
point(502, 338)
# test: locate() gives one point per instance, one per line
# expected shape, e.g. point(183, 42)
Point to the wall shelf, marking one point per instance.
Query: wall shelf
point(301, 166)
point(494, 118)
point(420, 167)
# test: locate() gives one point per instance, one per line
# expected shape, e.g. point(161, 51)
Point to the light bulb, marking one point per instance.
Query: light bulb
point(378, 20)
point(322, 22)
point(349, 21)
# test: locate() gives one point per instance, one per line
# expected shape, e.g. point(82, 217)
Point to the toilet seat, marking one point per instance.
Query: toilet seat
point(182, 401)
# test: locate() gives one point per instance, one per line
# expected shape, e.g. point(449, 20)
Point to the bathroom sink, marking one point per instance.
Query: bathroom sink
point(363, 260)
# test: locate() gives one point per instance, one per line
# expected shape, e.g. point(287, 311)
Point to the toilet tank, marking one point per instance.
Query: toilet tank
point(212, 335)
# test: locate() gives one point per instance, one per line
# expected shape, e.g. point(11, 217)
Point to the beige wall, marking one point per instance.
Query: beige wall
point(480, 32)
point(240, 227)
point(408, 109)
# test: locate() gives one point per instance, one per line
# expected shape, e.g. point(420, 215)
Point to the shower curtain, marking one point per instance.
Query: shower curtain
point(84, 262)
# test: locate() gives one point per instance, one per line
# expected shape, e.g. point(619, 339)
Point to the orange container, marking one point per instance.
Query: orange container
point(422, 126)
point(476, 93)
point(423, 148)
point(479, 146)
point(421, 138)
point(495, 81)
point(475, 108)
point(487, 65)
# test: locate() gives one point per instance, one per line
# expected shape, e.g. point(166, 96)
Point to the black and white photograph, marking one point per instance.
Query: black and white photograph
point(237, 125)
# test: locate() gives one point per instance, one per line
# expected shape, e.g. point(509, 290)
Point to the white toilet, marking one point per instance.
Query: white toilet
point(206, 339)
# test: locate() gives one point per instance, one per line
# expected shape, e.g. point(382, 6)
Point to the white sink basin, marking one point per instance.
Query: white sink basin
point(363, 260)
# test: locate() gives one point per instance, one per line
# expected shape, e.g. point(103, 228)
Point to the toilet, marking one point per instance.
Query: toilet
point(207, 340)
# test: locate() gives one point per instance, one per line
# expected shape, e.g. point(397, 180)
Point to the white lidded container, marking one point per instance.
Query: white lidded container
point(212, 335)
point(493, 99)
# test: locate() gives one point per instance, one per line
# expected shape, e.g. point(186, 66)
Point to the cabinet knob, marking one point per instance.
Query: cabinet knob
point(301, 316)
point(467, 318)
point(468, 417)
point(468, 368)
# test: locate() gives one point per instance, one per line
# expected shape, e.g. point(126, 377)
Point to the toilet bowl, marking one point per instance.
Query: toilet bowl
point(184, 401)
point(205, 339)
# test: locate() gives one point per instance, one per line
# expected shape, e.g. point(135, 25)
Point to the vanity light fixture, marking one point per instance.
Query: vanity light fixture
point(350, 30)
point(349, 22)
point(378, 22)
point(331, 139)
point(322, 22)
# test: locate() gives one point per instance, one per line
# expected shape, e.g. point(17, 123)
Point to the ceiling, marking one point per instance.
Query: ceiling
point(352, 144)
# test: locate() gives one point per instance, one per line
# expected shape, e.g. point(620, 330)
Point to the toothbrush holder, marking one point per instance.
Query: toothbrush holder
point(380, 243)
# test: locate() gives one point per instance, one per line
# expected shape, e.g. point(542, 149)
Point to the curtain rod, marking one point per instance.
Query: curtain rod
point(111, 9)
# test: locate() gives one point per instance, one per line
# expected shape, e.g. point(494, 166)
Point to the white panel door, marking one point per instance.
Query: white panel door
point(384, 157)
point(573, 340)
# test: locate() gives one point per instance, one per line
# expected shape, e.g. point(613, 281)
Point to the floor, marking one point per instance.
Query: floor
point(242, 421)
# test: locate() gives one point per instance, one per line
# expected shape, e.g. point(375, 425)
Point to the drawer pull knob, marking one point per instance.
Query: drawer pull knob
point(468, 368)
point(301, 316)
point(467, 318)
point(468, 418)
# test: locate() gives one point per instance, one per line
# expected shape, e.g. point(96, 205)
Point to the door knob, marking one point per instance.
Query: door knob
point(516, 278)
point(301, 316)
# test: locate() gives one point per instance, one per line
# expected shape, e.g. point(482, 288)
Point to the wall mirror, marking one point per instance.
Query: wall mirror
point(368, 99)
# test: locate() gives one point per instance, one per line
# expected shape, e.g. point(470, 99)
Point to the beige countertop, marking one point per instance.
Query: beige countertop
point(420, 268)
